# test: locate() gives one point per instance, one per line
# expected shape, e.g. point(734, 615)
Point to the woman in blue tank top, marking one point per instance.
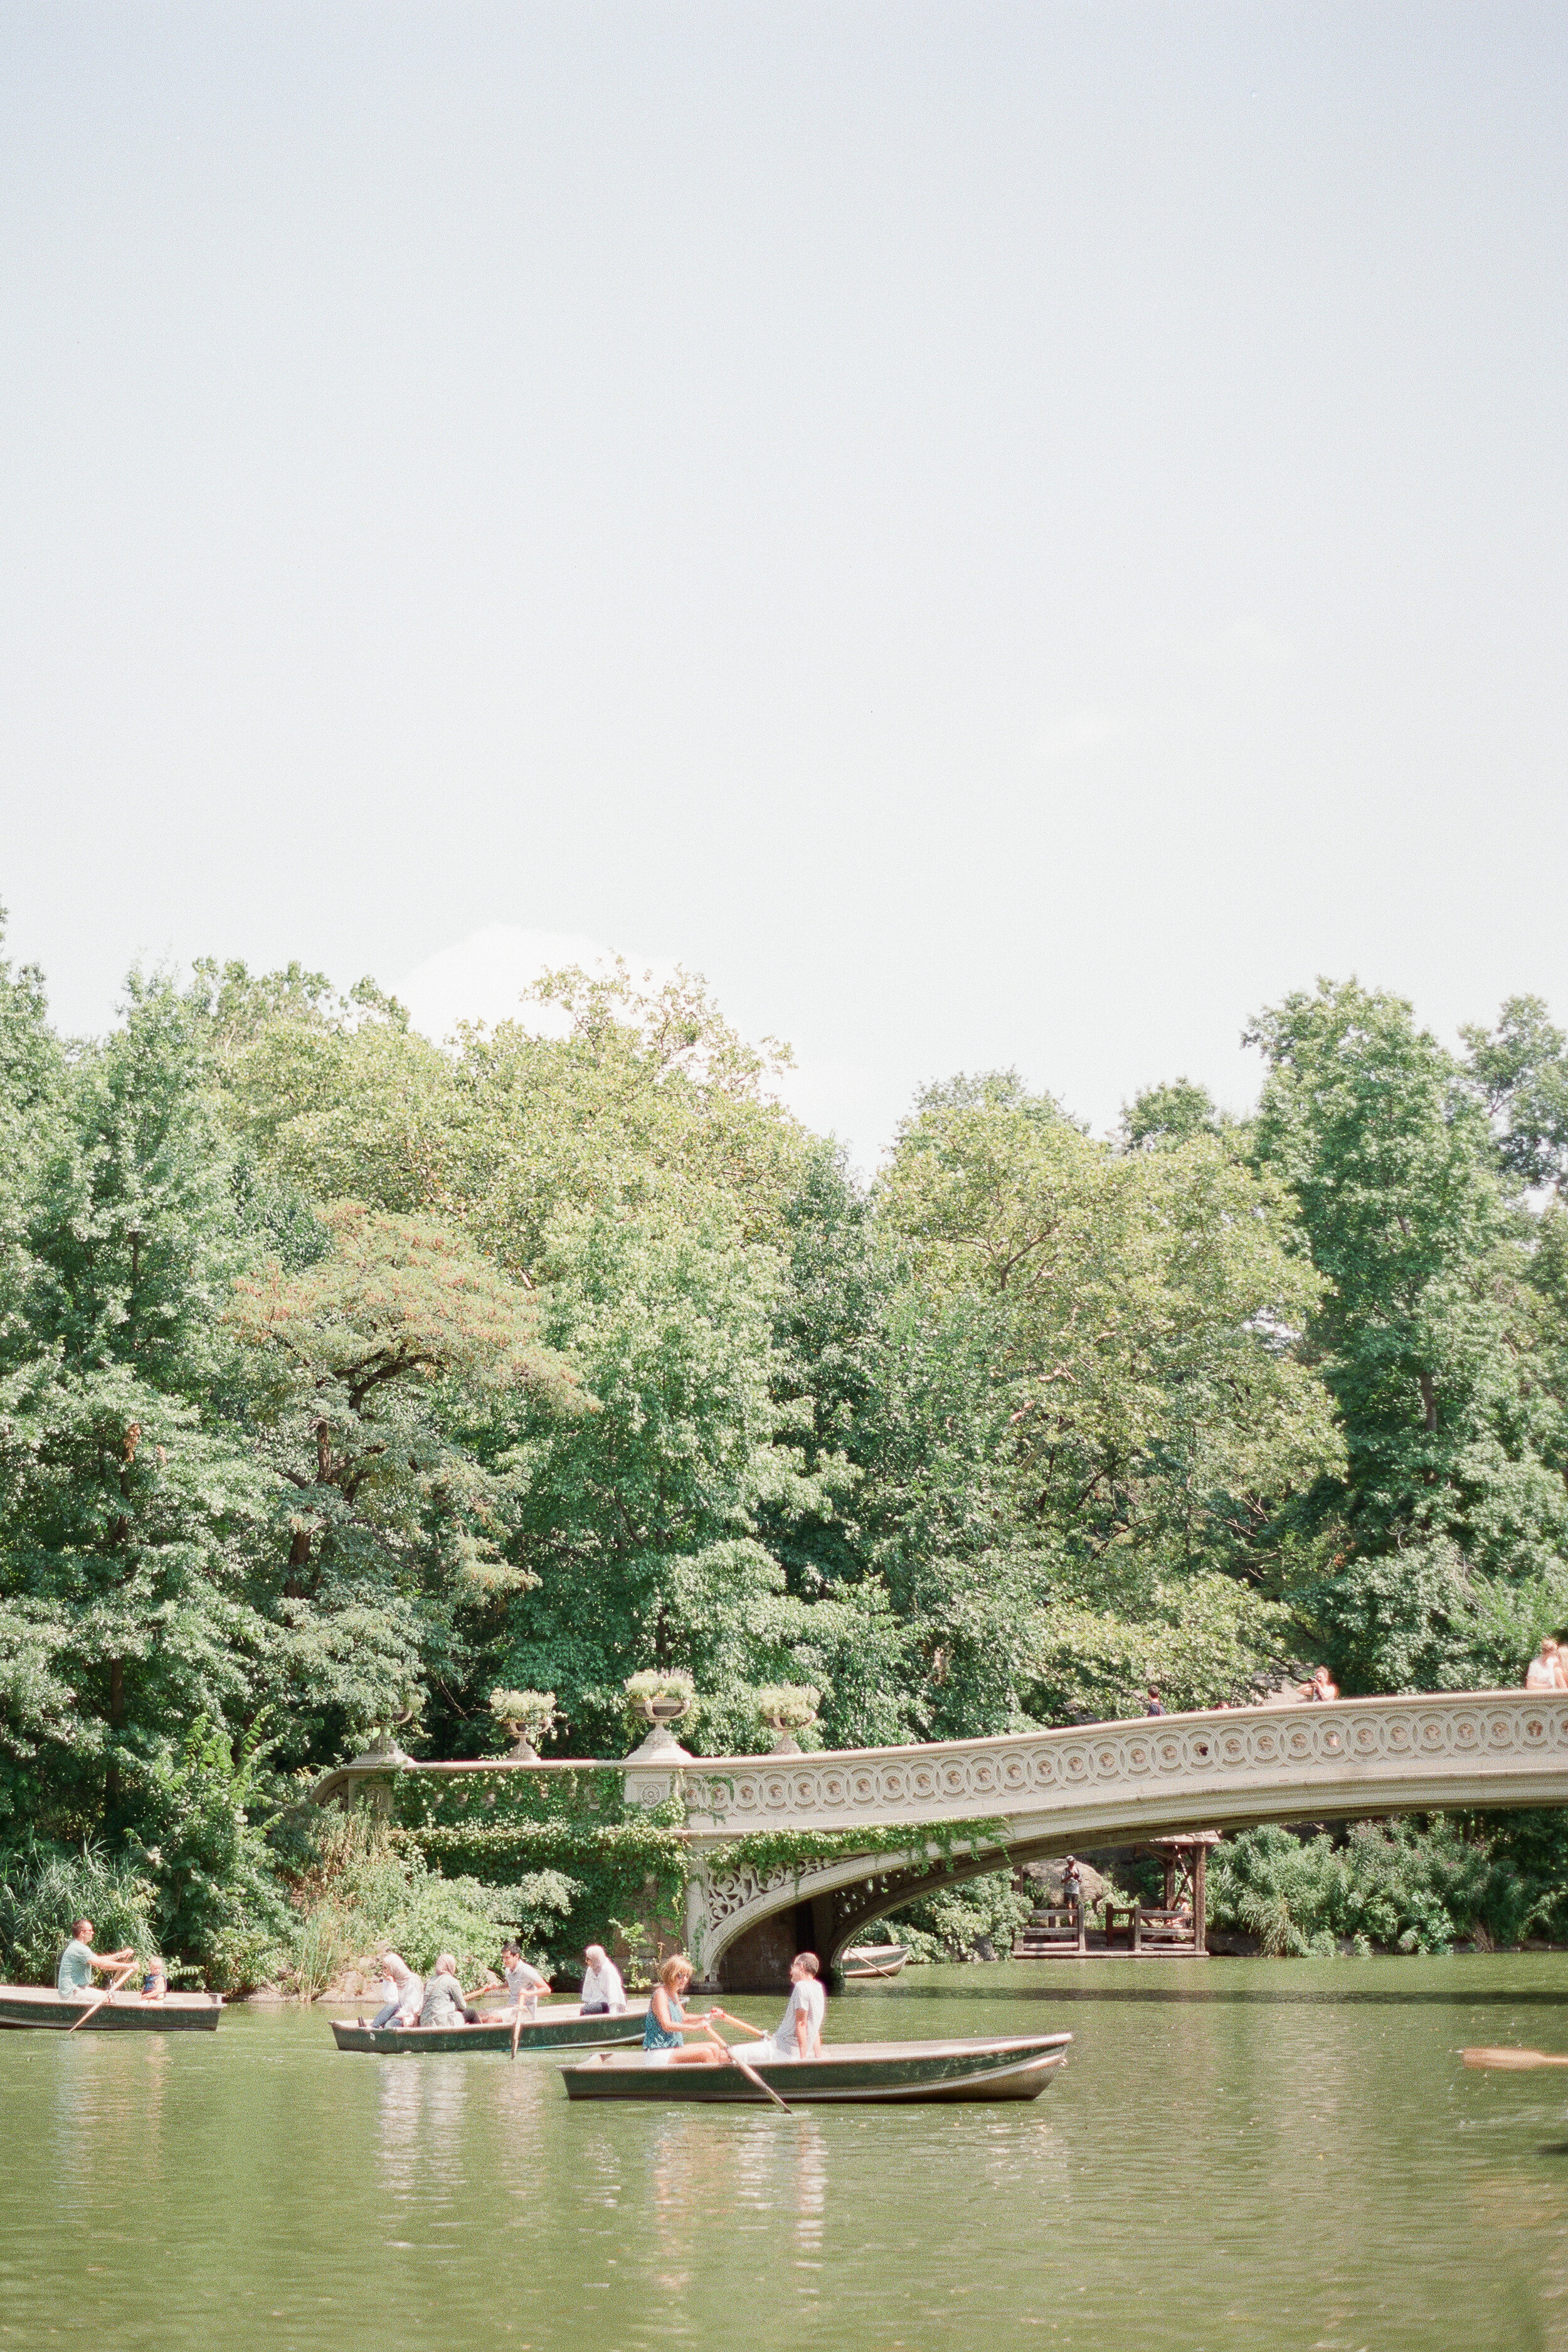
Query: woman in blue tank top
point(668, 2021)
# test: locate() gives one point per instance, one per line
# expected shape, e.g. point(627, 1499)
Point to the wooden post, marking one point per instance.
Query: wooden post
point(1200, 1900)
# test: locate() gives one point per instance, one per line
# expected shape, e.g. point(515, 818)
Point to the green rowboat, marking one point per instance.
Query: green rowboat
point(123, 2012)
point(853, 2073)
point(566, 2028)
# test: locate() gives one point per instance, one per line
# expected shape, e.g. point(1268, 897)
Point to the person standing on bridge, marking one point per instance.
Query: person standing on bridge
point(1545, 1671)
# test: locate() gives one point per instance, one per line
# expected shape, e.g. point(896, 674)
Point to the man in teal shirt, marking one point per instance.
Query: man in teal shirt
point(78, 1961)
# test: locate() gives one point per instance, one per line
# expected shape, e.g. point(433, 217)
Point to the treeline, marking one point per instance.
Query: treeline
point(345, 1378)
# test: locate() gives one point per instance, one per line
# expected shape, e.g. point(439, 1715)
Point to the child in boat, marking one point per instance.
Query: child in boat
point(73, 1979)
point(667, 2020)
point(155, 1983)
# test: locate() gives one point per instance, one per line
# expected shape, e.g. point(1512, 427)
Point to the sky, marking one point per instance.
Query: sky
point(1003, 536)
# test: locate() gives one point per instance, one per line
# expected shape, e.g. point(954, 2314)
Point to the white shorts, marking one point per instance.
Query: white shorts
point(657, 2057)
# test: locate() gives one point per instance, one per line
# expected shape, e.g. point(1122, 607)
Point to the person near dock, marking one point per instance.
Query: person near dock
point(668, 2021)
point(445, 2003)
point(523, 1981)
point(798, 2034)
point(74, 1976)
point(402, 1994)
point(603, 1994)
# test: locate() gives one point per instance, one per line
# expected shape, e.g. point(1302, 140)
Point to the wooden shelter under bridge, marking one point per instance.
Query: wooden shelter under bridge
point(1173, 1928)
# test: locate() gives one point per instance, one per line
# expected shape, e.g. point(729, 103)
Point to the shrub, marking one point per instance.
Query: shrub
point(1404, 1886)
point(44, 1889)
point(219, 1902)
point(366, 1892)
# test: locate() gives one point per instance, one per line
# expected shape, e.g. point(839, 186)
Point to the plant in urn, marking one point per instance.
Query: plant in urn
point(786, 1709)
point(660, 1696)
point(526, 1717)
point(378, 1726)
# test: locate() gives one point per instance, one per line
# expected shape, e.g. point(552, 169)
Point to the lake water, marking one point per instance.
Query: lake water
point(1239, 2154)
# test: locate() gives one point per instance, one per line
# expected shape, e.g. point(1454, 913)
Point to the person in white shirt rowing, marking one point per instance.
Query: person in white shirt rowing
point(798, 2034)
point(603, 1994)
point(524, 1980)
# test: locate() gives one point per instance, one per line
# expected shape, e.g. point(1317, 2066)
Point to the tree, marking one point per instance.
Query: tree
point(1173, 1113)
point(1091, 1391)
point(637, 1526)
point(1520, 1071)
point(367, 1368)
point(124, 1500)
point(1448, 1494)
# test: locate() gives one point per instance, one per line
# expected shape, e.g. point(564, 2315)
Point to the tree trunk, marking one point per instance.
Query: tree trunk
point(116, 1719)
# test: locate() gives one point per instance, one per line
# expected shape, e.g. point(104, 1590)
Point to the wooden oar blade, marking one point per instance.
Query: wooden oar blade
point(1513, 2061)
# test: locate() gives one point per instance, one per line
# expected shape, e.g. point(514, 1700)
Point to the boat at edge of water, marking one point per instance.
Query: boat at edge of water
point(862, 1962)
point(566, 2028)
point(848, 2074)
point(40, 2007)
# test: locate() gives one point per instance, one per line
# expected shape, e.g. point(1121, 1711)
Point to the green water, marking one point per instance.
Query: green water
point(1240, 2154)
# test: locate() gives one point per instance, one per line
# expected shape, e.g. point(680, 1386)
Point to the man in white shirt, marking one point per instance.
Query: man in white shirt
point(524, 1980)
point(798, 2034)
point(603, 1994)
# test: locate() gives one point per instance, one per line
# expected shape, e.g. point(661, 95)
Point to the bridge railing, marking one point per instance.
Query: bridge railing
point(1226, 1764)
point(1460, 1747)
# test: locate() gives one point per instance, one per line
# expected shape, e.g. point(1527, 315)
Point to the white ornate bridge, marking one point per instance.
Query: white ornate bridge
point(978, 1805)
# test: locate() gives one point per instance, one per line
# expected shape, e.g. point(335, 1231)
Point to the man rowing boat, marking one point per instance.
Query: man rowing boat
point(73, 1979)
point(523, 1981)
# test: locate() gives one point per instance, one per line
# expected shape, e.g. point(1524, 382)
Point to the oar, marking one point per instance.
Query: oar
point(516, 2020)
point(1513, 2061)
point(750, 2072)
point(102, 1997)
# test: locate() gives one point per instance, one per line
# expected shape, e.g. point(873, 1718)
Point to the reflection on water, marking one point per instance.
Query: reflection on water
point(1238, 2154)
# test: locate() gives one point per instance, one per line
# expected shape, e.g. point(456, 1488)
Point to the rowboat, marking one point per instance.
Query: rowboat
point(122, 2013)
point(850, 2073)
point(566, 2028)
point(862, 1961)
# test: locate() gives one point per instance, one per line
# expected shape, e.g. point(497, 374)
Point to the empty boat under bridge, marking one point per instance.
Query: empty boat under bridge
point(885, 1817)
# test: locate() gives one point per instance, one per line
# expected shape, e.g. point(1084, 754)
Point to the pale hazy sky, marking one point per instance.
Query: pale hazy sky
point(1000, 534)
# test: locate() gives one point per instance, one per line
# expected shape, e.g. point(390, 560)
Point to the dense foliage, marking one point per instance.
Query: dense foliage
point(346, 1380)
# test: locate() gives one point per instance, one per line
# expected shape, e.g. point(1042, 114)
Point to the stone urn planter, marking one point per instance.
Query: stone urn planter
point(786, 1709)
point(527, 1717)
point(660, 1698)
point(381, 1741)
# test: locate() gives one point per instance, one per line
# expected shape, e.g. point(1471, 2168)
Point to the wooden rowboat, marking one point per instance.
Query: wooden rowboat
point(563, 2028)
point(122, 2013)
point(848, 2073)
point(863, 1961)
